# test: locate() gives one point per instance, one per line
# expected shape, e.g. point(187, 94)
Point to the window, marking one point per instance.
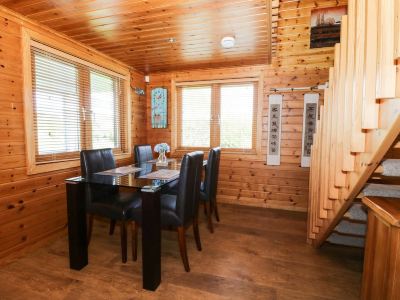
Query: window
point(56, 105)
point(237, 110)
point(75, 105)
point(104, 111)
point(196, 116)
point(219, 114)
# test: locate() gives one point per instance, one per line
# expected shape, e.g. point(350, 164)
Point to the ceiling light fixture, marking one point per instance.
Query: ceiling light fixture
point(171, 40)
point(228, 42)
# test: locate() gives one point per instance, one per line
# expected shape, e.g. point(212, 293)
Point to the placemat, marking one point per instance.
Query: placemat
point(121, 171)
point(163, 174)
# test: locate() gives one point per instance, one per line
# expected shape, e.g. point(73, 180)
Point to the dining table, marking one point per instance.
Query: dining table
point(148, 178)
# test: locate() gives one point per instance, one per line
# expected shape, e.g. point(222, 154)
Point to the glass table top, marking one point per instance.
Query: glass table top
point(136, 179)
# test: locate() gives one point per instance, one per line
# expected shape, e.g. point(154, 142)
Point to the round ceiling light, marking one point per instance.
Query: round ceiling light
point(228, 42)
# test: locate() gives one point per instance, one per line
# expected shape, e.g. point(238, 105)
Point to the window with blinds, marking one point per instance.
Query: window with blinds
point(196, 116)
point(75, 107)
point(221, 114)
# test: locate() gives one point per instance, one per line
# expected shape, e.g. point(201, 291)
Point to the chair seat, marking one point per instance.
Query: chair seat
point(119, 206)
point(168, 212)
point(203, 196)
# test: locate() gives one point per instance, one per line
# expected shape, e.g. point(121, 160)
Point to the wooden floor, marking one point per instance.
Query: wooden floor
point(253, 254)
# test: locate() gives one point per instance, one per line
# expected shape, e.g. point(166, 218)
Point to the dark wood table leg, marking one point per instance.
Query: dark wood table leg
point(151, 239)
point(77, 238)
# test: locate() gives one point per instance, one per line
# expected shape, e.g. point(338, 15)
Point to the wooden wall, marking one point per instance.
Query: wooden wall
point(249, 181)
point(32, 208)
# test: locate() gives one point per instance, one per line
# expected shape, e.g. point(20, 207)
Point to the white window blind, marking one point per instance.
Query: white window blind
point(196, 116)
point(220, 114)
point(105, 111)
point(75, 107)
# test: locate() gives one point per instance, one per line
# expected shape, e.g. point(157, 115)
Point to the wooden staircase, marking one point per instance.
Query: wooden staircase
point(360, 118)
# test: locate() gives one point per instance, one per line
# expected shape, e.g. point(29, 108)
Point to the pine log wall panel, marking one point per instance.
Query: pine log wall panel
point(138, 109)
point(33, 208)
point(249, 181)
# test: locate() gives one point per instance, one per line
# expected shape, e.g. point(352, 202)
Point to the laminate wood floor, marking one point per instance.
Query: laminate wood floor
point(253, 254)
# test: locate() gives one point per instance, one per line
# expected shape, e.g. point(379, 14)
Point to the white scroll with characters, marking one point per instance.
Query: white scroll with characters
point(274, 130)
point(310, 117)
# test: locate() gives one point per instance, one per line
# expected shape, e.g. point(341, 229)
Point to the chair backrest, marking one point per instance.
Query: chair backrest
point(143, 153)
point(93, 161)
point(188, 195)
point(212, 172)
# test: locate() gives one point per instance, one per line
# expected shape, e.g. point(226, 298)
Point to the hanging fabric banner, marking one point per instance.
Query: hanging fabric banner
point(310, 116)
point(274, 130)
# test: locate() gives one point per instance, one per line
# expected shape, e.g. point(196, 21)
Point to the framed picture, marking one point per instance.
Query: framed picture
point(159, 108)
point(325, 26)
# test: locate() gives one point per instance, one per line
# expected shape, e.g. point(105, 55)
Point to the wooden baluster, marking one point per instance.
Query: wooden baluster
point(386, 70)
point(327, 203)
point(333, 190)
point(348, 156)
point(396, 29)
point(357, 135)
point(370, 116)
point(322, 212)
point(340, 176)
point(311, 202)
point(397, 43)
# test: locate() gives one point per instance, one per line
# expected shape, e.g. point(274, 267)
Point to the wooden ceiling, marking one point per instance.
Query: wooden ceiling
point(137, 32)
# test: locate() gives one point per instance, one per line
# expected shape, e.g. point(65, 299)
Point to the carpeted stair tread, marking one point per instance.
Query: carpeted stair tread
point(381, 190)
point(353, 241)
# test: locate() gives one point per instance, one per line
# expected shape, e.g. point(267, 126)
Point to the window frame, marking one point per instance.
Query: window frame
point(255, 151)
point(79, 54)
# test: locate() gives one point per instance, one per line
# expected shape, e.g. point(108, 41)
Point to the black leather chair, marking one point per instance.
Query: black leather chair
point(208, 193)
point(142, 153)
point(180, 211)
point(106, 201)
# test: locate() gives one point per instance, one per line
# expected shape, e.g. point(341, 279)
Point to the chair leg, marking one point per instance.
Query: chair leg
point(196, 233)
point(124, 244)
point(112, 227)
point(205, 208)
point(209, 218)
point(216, 210)
point(89, 227)
point(182, 247)
point(135, 227)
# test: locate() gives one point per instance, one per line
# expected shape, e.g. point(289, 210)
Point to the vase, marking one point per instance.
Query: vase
point(162, 159)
